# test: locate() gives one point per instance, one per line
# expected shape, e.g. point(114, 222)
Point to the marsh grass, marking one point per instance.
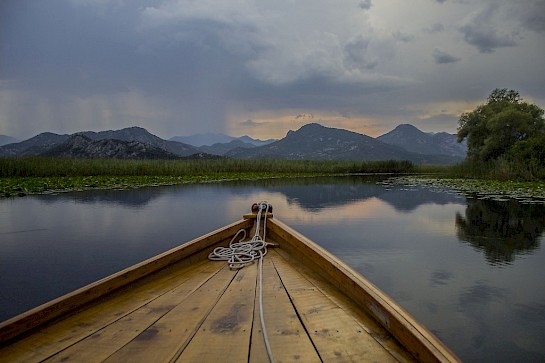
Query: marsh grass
point(49, 167)
point(21, 176)
point(501, 169)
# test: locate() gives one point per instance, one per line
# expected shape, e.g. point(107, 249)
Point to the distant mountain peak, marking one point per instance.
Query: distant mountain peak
point(5, 139)
point(209, 139)
point(413, 139)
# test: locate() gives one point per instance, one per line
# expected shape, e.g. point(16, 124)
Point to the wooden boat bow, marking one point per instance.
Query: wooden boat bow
point(178, 306)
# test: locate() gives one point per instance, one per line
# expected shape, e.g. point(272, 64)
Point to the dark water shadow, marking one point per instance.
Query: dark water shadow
point(502, 230)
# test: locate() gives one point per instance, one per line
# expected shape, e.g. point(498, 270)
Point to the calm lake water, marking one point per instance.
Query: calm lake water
point(472, 271)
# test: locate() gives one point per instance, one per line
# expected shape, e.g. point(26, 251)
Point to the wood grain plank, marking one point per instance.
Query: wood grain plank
point(160, 341)
point(410, 333)
point(368, 323)
point(49, 340)
point(288, 339)
point(225, 334)
point(111, 338)
point(337, 336)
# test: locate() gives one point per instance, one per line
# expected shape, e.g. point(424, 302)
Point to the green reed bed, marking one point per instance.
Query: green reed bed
point(47, 167)
point(21, 176)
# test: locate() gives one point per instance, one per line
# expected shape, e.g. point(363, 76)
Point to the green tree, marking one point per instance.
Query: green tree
point(529, 155)
point(494, 128)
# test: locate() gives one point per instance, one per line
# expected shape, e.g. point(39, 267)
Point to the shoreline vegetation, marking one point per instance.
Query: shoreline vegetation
point(22, 176)
point(32, 175)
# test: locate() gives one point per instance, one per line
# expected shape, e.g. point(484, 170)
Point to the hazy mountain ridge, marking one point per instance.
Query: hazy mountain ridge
point(5, 139)
point(33, 146)
point(310, 142)
point(210, 139)
point(224, 148)
point(412, 139)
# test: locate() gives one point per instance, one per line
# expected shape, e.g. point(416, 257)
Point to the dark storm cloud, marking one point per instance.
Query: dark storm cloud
point(487, 39)
point(62, 49)
point(532, 15)
point(484, 34)
point(78, 52)
point(442, 57)
point(356, 54)
point(365, 4)
point(318, 93)
point(179, 67)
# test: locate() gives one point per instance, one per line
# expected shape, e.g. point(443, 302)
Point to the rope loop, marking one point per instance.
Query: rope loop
point(243, 253)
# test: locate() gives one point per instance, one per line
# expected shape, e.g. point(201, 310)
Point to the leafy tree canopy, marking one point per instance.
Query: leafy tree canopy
point(494, 128)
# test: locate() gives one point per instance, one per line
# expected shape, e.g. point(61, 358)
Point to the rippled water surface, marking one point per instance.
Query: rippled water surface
point(472, 271)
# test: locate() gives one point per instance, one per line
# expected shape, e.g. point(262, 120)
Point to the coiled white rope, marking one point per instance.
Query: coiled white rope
point(241, 253)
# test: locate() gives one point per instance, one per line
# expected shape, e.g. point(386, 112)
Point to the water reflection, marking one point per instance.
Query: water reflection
point(134, 198)
point(308, 194)
point(502, 230)
point(317, 194)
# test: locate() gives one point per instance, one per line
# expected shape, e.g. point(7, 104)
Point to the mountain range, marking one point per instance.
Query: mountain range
point(209, 139)
point(311, 142)
point(81, 146)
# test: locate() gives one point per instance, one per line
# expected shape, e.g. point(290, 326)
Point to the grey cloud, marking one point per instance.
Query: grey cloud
point(250, 123)
point(365, 4)
point(487, 39)
point(442, 57)
point(435, 28)
point(304, 116)
point(320, 93)
point(532, 15)
point(355, 55)
point(403, 37)
point(482, 32)
point(63, 49)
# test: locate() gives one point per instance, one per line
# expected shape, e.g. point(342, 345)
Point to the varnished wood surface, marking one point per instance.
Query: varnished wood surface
point(185, 254)
point(207, 312)
point(369, 299)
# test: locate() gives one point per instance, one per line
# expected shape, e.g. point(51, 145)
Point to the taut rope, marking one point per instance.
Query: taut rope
point(243, 253)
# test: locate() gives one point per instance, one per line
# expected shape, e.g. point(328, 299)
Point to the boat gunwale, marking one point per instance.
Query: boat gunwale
point(49, 311)
point(420, 342)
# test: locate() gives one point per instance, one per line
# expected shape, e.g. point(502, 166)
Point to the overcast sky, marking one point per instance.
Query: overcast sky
point(261, 67)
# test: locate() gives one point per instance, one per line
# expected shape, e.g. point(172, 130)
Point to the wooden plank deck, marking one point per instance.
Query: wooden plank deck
point(206, 312)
